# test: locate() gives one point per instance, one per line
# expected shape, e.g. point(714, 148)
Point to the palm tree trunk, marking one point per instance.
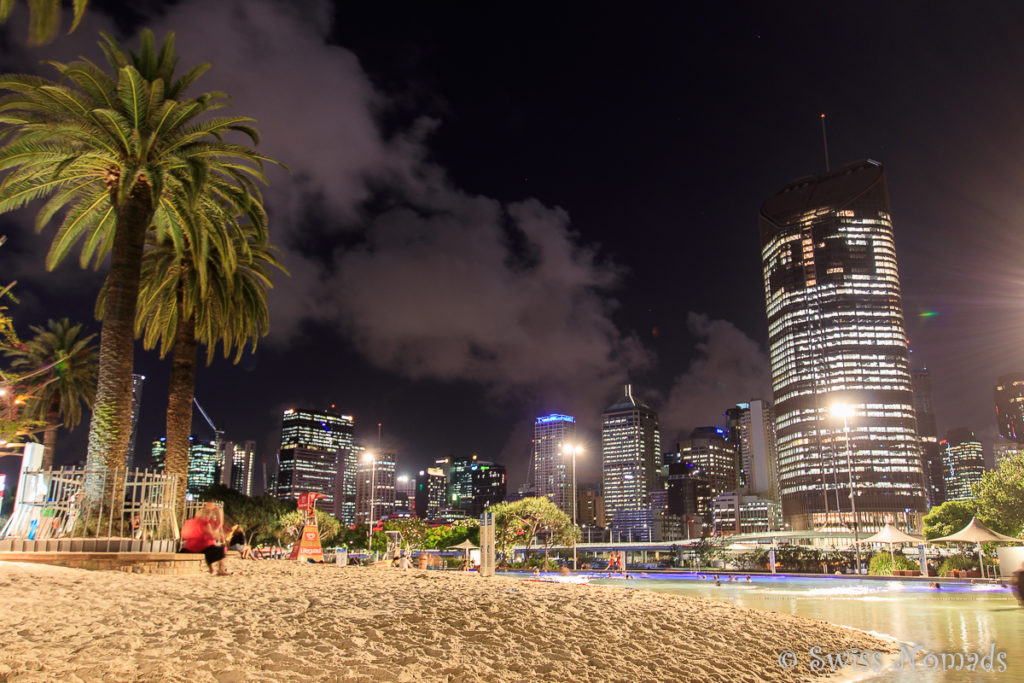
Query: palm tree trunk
point(110, 427)
point(179, 405)
point(50, 438)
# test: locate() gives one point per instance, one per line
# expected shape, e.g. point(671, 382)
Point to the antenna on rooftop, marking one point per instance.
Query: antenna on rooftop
point(380, 426)
point(824, 138)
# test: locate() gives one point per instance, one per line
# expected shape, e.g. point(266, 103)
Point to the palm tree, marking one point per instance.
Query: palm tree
point(119, 157)
point(44, 18)
point(62, 360)
point(174, 314)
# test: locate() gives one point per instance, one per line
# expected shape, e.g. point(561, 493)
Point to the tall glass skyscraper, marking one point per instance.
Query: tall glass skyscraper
point(751, 427)
point(137, 381)
point(551, 466)
point(964, 463)
point(630, 459)
point(836, 339)
point(928, 437)
point(311, 441)
point(1009, 396)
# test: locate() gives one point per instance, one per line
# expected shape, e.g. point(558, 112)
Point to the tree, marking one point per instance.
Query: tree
point(518, 523)
point(414, 530)
point(14, 424)
point(62, 360)
point(948, 518)
point(119, 156)
point(44, 18)
point(174, 313)
point(999, 496)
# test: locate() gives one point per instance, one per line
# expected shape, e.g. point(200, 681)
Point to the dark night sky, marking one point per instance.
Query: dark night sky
point(498, 212)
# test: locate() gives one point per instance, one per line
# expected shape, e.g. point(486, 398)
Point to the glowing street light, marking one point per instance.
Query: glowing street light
point(846, 411)
point(574, 449)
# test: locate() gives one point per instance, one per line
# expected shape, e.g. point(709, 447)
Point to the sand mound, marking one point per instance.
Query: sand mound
point(279, 620)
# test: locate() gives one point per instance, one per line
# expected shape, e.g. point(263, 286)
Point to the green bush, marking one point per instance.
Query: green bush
point(956, 562)
point(881, 564)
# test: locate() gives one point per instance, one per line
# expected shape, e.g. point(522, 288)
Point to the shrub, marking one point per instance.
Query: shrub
point(956, 562)
point(881, 564)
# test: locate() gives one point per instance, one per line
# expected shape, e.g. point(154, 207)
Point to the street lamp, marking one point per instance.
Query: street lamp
point(369, 458)
point(575, 449)
point(846, 411)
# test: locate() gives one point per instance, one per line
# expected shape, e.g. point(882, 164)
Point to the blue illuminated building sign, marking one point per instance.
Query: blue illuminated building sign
point(555, 417)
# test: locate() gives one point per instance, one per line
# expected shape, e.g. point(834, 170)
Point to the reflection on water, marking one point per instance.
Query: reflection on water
point(958, 618)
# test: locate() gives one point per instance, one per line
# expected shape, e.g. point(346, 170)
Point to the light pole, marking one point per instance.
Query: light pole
point(845, 411)
point(368, 457)
point(575, 450)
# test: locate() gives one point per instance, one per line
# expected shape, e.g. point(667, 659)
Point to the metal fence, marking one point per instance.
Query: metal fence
point(78, 509)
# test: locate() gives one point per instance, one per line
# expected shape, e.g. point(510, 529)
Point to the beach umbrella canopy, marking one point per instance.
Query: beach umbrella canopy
point(465, 545)
point(977, 533)
point(891, 535)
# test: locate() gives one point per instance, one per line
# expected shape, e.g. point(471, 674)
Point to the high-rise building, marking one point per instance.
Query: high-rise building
point(928, 438)
point(405, 493)
point(838, 346)
point(203, 457)
point(552, 434)
point(239, 461)
point(489, 483)
point(630, 459)
point(460, 482)
point(715, 457)
point(1009, 396)
point(375, 486)
point(964, 463)
point(590, 506)
point(345, 483)
point(431, 491)
point(688, 497)
point(158, 453)
point(137, 381)
point(311, 441)
point(752, 429)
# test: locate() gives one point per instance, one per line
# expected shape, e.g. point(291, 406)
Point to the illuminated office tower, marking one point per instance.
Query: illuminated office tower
point(490, 484)
point(137, 381)
point(1009, 395)
point(630, 460)
point(158, 454)
point(311, 441)
point(375, 486)
point(751, 427)
point(964, 463)
point(345, 483)
point(460, 482)
point(431, 490)
point(928, 438)
point(202, 465)
point(239, 460)
point(838, 346)
point(714, 456)
point(551, 466)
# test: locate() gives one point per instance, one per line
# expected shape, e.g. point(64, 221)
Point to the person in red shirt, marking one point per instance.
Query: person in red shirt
point(204, 534)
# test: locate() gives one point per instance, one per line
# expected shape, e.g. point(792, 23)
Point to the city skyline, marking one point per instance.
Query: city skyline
point(603, 254)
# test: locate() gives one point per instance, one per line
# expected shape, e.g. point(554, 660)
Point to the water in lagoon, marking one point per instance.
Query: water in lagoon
point(958, 618)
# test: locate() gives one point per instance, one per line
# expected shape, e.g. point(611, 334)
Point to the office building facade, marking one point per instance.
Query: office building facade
point(203, 459)
point(1009, 399)
point(630, 460)
point(490, 485)
point(137, 381)
point(552, 465)
point(964, 463)
point(751, 429)
point(714, 456)
point(375, 487)
point(431, 492)
point(928, 438)
point(838, 345)
point(312, 443)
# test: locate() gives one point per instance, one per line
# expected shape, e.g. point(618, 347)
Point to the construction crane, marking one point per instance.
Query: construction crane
point(225, 462)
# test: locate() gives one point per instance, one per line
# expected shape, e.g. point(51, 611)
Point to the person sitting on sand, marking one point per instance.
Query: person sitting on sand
point(748, 578)
point(236, 541)
point(717, 582)
point(563, 570)
point(204, 534)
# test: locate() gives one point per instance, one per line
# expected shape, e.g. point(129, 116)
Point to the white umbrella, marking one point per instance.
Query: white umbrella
point(978, 533)
point(465, 545)
point(891, 535)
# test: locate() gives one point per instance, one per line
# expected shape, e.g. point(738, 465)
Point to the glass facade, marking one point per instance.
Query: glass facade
point(1009, 396)
point(431, 489)
point(312, 443)
point(836, 337)
point(751, 429)
point(552, 467)
point(964, 463)
point(375, 487)
point(928, 437)
point(714, 455)
point(203, 458)
point(630, 460)
point(137, 381)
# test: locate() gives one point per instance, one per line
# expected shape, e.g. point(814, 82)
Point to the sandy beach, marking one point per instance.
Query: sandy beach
point(283, 621)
